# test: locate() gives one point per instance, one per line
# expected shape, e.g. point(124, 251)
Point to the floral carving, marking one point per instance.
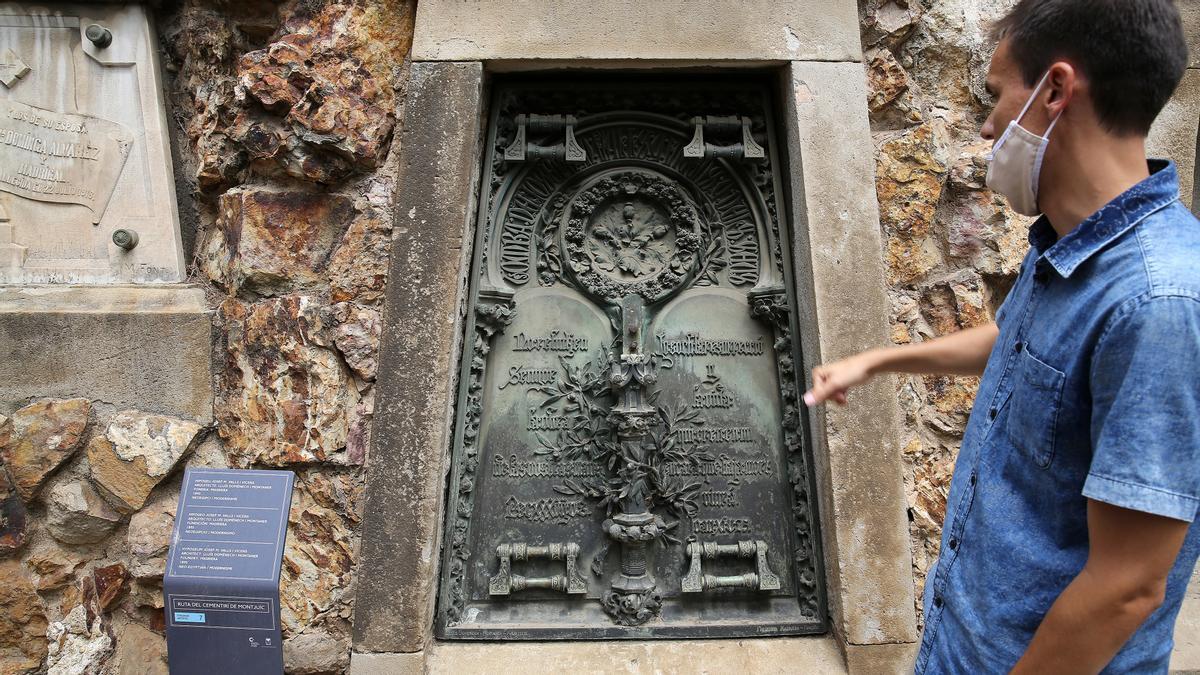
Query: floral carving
point(632, 233)
point(492, 316)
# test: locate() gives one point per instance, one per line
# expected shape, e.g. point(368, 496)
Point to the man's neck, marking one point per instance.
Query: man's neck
point(1087, 174)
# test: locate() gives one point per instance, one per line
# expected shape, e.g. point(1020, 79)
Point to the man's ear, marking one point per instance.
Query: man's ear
point(1060, 87)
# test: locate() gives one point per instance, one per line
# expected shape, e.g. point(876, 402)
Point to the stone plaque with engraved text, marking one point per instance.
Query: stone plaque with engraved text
point(83, 149)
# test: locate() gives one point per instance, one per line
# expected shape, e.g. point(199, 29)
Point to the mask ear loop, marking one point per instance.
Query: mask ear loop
point(1032, 97)
point(1017, 122)
point(1041, 154)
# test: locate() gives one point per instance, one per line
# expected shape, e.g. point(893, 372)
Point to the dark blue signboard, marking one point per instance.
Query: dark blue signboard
point(221, 589)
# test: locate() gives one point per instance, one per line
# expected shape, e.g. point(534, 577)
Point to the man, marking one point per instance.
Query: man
point(1067, 545)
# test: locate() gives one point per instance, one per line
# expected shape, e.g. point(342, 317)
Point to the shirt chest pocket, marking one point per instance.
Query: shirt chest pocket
point(1034, 408)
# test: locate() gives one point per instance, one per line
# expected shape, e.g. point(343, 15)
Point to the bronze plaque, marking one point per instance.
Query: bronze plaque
point(631, 459)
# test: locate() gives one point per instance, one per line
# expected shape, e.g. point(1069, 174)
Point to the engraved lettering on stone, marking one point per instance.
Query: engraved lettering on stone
point(555, 341)
point(701, 435)
point(514, 467)
point(720, 525)
point(60, 157)
point(694, 344)
point(711, 392)
point(742, 243)
point(536, 377)
point(549, 422)
point(723, 465)
point(549, 510)
point(724, 499)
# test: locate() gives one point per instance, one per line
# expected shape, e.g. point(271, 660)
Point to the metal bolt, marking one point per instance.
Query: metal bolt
point(126, 239)
point(101, 37)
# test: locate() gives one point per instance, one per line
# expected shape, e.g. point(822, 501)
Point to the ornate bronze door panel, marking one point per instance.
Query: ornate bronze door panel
point(630, 457)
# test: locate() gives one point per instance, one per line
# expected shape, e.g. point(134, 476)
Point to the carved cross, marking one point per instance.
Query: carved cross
point(12, 68)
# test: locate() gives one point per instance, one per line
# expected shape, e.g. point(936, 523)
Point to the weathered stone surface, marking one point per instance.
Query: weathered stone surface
point(13, 516)
point(23, 630)
point(817, 30)
point(139, 651)
point(393, 604)
point(52, 566)
point(79, 644)
point(123, 180)
point(858, 458)
point(886, 79)
point(316, 102)
point(149, 535)
point(285, 395)
point(315, 653)
point(135, 453)
point(111, 582)
point(910, 174)
point(818, 654)
point(146, 348)
point(272, 242)
point(888, 22)
point(317, 562)
point(40, 437)
point(358, 268)
point(76, 514)
point(356, 334)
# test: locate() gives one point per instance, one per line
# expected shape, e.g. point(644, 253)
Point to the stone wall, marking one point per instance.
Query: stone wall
point(283, 121)
point(952, 247)
point(283, 116)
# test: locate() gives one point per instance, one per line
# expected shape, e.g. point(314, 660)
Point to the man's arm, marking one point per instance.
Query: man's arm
point(963, 353)
point(1129, 557)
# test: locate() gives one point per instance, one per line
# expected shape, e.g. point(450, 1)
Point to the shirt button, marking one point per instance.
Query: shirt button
point(972, 479)
point(1019, 346)
point(937, 601)
point(992, 414)
point(953, 544)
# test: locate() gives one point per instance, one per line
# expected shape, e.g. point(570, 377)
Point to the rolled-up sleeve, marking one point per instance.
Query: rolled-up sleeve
point(1145, 428)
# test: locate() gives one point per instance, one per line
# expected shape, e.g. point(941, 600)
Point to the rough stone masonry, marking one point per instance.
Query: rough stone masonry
point(283, 117)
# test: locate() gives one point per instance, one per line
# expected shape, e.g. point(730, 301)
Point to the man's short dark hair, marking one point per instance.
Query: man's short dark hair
point(1133, 52)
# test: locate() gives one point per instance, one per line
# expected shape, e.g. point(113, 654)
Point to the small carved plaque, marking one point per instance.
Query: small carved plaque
point(60, 157)
point(631, 386)
point(87, 192)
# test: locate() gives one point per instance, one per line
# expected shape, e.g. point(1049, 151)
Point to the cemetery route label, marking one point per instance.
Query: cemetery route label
point(59, 157)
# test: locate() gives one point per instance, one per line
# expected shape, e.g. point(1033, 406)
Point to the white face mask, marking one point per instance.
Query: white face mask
point(1015, 161)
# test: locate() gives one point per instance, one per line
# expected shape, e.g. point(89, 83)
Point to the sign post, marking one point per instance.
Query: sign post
point(221, 588)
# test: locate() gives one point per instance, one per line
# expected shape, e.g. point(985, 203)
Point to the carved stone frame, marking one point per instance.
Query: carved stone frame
point(840, 291)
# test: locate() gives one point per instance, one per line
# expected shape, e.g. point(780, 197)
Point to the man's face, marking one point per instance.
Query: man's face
point(1009, 91)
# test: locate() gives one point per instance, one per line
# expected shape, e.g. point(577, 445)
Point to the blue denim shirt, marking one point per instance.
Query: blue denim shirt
point(1091, 391)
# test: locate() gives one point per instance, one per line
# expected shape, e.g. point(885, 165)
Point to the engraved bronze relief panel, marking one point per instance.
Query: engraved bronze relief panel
point(630, 458)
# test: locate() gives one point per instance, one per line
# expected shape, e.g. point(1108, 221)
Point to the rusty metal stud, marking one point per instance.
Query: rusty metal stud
point(126, 239)
point(101, 37)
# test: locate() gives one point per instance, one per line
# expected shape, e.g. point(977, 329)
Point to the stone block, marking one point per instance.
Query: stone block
point(146, 348)
point(765, 655)
point(38, 438)
point(272, 242)
point(387, 664)
point(135, 453)
point(837, 238)
point(881, 659)
point(58, 211)
point(420, 346)
point(77, 515)
point(577, 30)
